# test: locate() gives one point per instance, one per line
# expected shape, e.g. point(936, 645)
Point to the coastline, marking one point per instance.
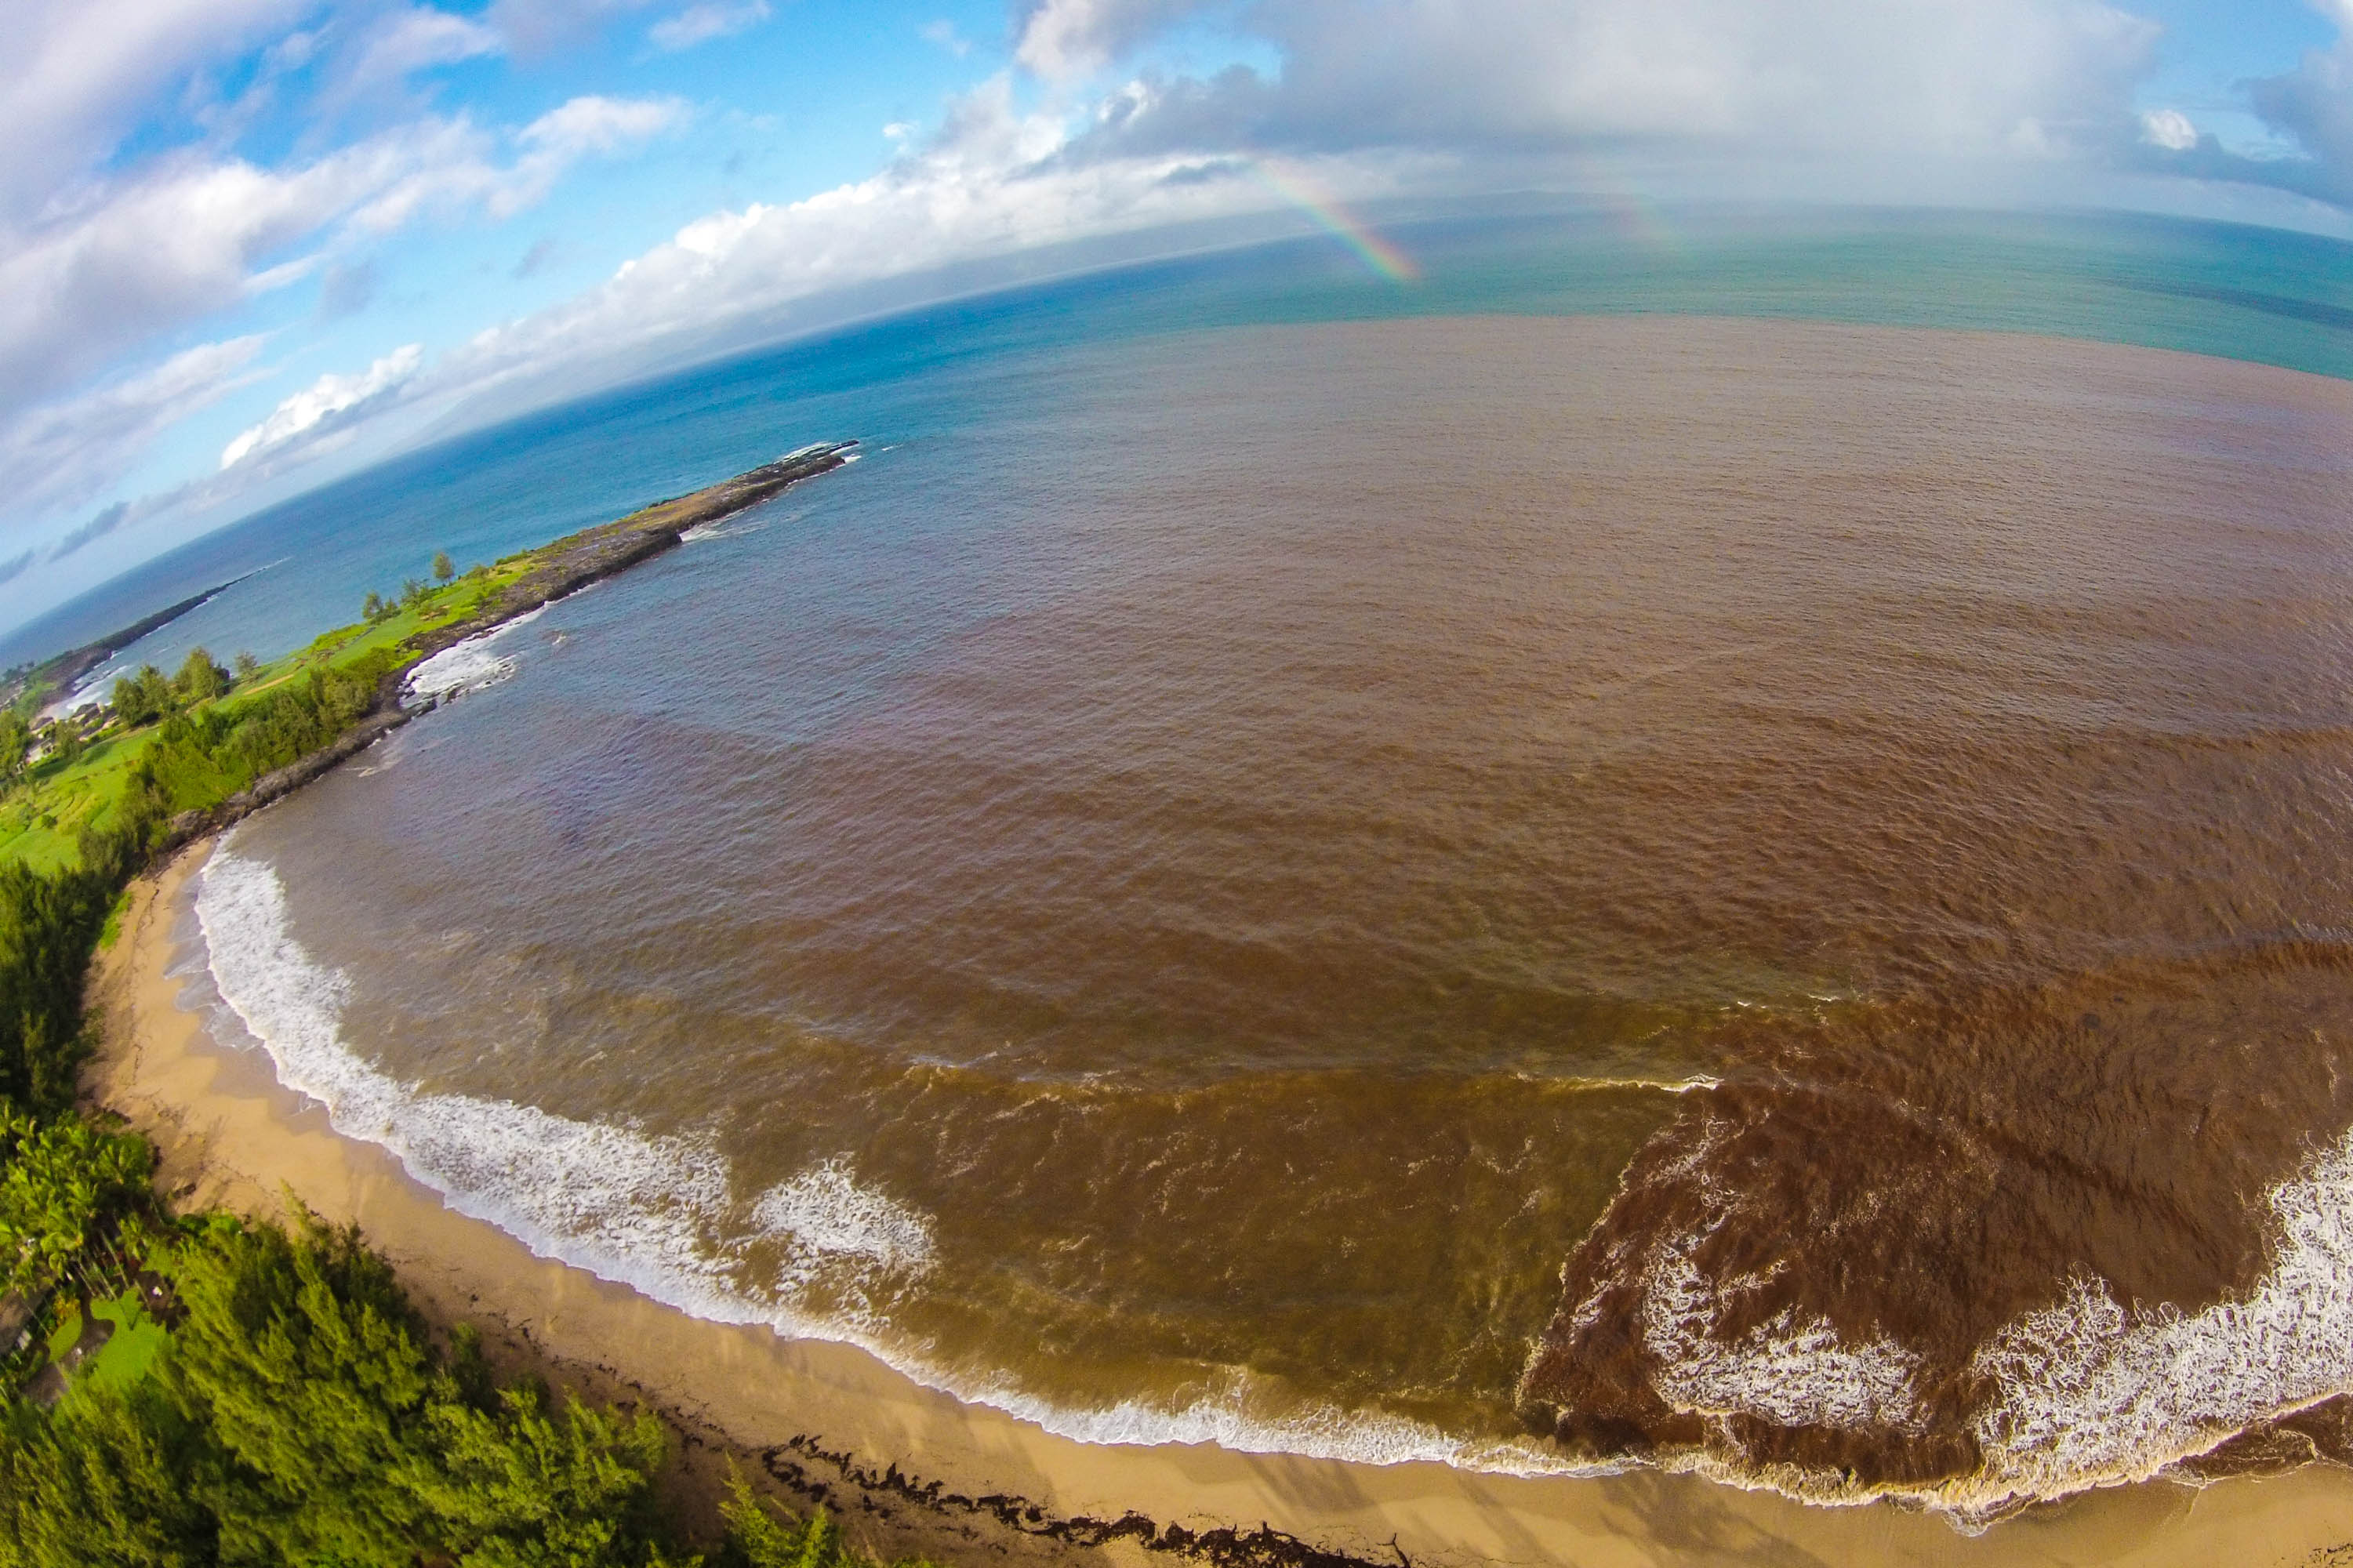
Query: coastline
point(834, 1423)
point(555, 569)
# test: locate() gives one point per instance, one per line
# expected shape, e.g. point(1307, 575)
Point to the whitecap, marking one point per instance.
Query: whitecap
point(1792, 1371)
point(467, 666)
point(2091, 1392)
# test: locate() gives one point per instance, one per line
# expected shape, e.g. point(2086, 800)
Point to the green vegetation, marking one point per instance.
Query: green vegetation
point(63, 1185)
point(755, 1538)
point(298, 1414)
point(297, 1411)
point(262, 1395)
point(242, 720)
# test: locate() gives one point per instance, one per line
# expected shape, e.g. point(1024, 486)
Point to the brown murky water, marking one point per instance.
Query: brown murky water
point(1524, 891)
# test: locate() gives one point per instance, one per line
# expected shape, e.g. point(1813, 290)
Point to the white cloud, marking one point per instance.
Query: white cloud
point(192, 237)
point(324, 399)
point(989, 185)
point(81, 72)
point(944, 33)
point(2313, 104)
point(1066, 38)
point(701, 23)
point(1948, 78)
point(2169, 129)
point(534, 26)
point(595, 125)
point(180, 242)
point(61, 454)
point(419, 38)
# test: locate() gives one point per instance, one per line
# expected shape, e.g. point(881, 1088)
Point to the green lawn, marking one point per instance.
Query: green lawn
point(128, 1355)
point(42, 821)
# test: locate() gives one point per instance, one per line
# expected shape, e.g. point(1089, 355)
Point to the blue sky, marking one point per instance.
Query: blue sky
point(246, 243)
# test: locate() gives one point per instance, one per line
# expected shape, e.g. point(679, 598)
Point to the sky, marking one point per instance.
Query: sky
point(246, 245)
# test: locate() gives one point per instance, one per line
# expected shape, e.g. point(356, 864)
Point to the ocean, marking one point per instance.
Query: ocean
point(1720, 848)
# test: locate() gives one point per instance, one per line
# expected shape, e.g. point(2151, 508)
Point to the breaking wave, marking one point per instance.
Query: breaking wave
point(466, 666)
point(654, 1211)
point(2092, 1393)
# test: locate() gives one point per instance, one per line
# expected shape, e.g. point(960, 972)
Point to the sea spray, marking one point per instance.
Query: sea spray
point(467, 666)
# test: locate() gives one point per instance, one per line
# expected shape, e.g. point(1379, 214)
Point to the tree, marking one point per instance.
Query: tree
point(58, 1183)
point(374, 609)
point(107, 1478)
point(144, 697)
point(15, 740)
point(248, 666)
point(341, 1439)
point(64, 739)
point(756, 1540)
point(200, 679)
point(443, 567)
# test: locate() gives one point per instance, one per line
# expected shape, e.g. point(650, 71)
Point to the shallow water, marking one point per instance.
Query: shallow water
point(1522, 891)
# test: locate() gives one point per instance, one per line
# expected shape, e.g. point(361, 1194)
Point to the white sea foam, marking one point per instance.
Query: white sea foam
point(2088, 1393)
point(2092, 1393)
point(823, 1213)
point(1322, 1432)
point(737, 523)
point(1795, 1372)
point(467, 666)
point(1696, 1081)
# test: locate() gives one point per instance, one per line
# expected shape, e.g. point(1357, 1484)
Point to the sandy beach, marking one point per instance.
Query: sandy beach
point(831, 1417)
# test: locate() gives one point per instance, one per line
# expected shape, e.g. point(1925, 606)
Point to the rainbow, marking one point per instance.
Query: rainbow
point(1330, 214)
point(1623, 204)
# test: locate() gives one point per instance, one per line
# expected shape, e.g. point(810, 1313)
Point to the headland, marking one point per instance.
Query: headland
point(527, 582)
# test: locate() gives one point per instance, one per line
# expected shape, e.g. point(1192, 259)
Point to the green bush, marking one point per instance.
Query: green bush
point(144, 697)
point(200, 759)
point(48, 925)
point(200, 679)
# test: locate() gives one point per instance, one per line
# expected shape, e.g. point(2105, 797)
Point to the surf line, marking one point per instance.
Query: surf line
point(562, 567)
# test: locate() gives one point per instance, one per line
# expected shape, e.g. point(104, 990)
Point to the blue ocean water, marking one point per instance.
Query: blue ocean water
point(2261, 295)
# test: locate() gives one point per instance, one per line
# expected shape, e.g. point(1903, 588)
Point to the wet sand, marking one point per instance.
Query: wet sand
point(229, 1134)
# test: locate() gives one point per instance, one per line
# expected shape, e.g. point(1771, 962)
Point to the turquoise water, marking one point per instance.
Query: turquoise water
point(2255, 294)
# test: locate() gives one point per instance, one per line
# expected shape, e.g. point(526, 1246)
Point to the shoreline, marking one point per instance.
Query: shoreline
point(910, 1469)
